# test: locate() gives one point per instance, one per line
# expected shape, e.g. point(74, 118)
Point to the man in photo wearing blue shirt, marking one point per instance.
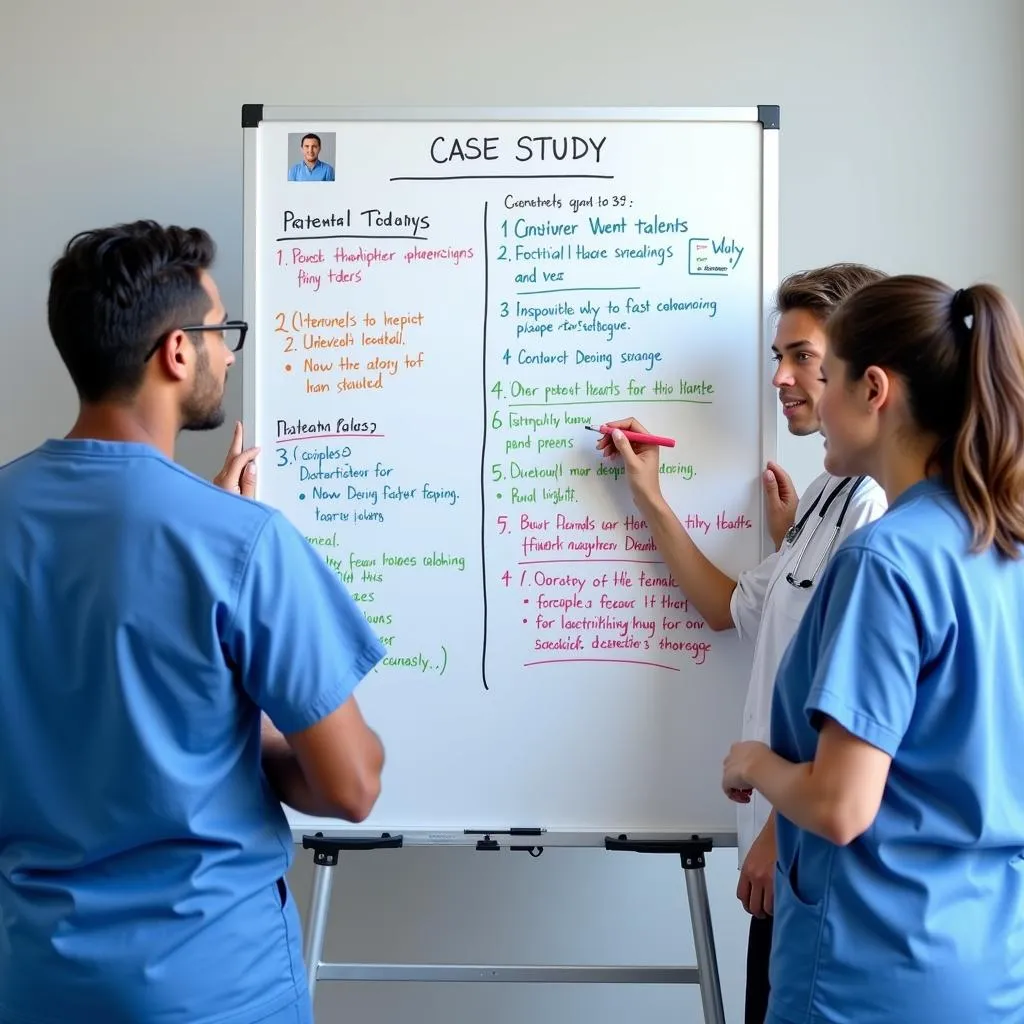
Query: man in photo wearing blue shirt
point(311, 167)
point(175, 661)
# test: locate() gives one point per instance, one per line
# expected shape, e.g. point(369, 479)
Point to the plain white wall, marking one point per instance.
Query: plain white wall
point(902, 145)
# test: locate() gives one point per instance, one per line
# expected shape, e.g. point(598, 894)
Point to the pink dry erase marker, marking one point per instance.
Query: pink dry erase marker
point(632, 435)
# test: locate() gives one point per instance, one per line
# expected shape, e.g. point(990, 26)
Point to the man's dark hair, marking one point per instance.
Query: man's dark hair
point(310, 135)
point(114, 291)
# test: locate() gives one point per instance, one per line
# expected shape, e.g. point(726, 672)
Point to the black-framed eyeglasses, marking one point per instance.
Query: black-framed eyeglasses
point(795, 578)
point(233, 344)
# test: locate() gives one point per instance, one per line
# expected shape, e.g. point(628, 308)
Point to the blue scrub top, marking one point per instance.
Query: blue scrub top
point(146, 617)
point(917, 647)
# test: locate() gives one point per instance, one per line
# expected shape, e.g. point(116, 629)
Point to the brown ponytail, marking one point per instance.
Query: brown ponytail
point(961, 355)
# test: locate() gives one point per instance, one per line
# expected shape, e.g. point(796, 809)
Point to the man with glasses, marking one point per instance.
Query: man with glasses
point(175, 660)
point(766, 603)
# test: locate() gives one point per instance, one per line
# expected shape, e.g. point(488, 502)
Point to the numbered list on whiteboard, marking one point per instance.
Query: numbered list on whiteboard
point(435, 329)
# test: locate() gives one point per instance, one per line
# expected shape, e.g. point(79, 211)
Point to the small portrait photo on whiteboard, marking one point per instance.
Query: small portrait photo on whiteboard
point(311, 156)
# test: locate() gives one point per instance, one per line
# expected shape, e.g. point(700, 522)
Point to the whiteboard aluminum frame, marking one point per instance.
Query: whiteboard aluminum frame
point(770, 261)
point(250, 235)
point(340, 113)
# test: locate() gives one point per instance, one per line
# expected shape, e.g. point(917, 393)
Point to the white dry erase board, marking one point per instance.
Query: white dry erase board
point(431, 331)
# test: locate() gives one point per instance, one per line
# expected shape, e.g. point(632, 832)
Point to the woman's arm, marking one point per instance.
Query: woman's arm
point(836, 796)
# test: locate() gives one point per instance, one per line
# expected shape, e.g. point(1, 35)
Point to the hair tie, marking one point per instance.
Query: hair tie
point(961, 309)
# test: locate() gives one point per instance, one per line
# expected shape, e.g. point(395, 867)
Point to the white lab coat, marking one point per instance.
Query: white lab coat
point(766, 609)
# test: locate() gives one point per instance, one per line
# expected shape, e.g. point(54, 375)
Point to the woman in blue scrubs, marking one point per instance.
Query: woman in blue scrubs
point(897, 736)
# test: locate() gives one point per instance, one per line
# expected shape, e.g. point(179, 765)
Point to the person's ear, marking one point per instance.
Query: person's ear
point(877, 388)
point(175, 355)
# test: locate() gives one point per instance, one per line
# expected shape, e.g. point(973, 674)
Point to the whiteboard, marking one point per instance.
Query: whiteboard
point(431, 332)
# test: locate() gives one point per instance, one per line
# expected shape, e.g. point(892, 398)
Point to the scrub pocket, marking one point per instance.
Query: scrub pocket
point(796, 944)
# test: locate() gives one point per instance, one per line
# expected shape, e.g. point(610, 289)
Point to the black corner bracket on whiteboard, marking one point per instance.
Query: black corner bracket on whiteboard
point(768, 115)
point(326, 848)
point(252, 114)
point(691, 851)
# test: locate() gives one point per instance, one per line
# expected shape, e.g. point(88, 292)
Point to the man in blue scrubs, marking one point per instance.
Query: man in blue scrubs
point(175, 660)
point(311, 167)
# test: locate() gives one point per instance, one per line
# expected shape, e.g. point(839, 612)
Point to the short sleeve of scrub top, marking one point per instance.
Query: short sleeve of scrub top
point(869, 607)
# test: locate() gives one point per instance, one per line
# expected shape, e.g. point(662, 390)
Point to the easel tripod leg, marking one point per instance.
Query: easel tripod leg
point(320, 905)
point(704, 943)
point(326, 851)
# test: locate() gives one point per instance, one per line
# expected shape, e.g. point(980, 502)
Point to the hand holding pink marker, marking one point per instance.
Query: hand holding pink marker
point(633, 435)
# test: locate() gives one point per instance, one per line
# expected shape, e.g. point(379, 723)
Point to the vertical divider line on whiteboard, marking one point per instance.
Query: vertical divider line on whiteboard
point(483, 460)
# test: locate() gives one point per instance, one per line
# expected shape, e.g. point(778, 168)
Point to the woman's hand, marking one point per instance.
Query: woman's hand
point(736, 770)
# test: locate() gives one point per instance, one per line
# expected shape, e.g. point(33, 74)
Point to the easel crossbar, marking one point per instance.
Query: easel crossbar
point(530, 974)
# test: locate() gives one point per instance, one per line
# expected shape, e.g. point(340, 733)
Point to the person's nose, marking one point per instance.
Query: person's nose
point(783, 375)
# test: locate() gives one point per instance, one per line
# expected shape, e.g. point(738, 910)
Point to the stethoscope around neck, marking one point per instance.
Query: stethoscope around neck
point(793, 577)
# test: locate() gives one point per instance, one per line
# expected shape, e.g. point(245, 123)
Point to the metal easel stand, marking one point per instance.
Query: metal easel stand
point(691, 853)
